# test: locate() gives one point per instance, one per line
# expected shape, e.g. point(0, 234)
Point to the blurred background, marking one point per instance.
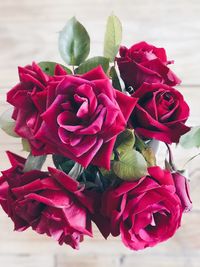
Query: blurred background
point(29, 31)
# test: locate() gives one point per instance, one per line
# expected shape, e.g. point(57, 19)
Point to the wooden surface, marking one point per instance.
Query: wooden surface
point(29, 31)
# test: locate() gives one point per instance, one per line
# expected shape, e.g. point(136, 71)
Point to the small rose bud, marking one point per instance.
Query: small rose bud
point(123, 50)
point(183, 190)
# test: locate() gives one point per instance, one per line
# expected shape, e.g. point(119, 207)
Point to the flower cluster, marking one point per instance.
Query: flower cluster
point(98, 122)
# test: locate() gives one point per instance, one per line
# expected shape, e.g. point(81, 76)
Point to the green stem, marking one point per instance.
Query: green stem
point(140, 145)
point(76, 171)
point(73, 70)
point(171, 160)
point(190, 159)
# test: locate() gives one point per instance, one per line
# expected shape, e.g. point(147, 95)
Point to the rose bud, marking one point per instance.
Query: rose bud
point(183, 190)
point(145, 63)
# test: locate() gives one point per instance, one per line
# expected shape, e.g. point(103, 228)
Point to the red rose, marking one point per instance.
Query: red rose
point(145, 212)
point(145, 63)
point(160, 113)
point(50, 203)
point(29, 100)
point(183, 190)
point(83, 117)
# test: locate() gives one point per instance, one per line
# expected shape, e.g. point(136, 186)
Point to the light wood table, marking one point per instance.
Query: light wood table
point(29, 31)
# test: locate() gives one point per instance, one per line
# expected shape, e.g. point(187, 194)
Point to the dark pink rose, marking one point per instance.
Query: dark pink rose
point(145, 212)
point(145, 63)
point(183, 190)
point(161, 113)
point(83, 117)
point(29, 98)
point(51, 203)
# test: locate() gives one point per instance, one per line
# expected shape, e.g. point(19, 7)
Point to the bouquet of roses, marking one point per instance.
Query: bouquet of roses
point(100, 120)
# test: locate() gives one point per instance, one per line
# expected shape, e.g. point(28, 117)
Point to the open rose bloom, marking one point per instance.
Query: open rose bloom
point(98, 129)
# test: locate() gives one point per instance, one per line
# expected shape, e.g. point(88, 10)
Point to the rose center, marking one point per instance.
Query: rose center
point(159, 220)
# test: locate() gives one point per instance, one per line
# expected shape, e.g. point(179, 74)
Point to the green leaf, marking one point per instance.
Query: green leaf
point(63, 163)
point(140, 144)
point(68, 166)
point(131, 166)
point(109, 174)
point(76, 171)
point(92, 178)
point(49, 67)
point(58, 160)
point(25, 145)
point(125, 141)
point(74, 43)
point(192, 138)
point(7, 124)
point(92, 63)
point(147, 149)
point(113, 37)
point(115, 79)
point(89, 174)
point(34, 162)
point(149, 156)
